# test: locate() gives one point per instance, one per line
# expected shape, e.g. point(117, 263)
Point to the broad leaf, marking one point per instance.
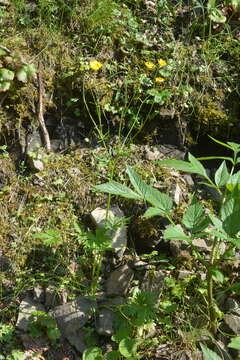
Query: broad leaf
point(209, 354)
point(112, 187)
point(222, 175)
point(194, 218)
point(197, 166)
point(176, 233)
point(113, 355)
point(235, 343)
point(137, 182)
point(5, 85)
point(177, 165)
point(153, 211)
point(217, 275)
point(229, 213)
point(6, 75)
point(93, 353)
point(128, 347)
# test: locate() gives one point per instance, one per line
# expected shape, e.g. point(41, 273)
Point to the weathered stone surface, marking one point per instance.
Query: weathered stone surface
point(105, 316)
point(38, 294)
point(119, 281)
point(76, 339)
point(119, 235)
point(183, 274)
point(35, 164)
point(153, 282)
point(53, 297)
point(232, 306)
point(72, 316)
point(26, 307)
point(233, 323)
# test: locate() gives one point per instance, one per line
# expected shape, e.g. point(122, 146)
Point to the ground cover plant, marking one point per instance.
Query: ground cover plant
point(171, 77)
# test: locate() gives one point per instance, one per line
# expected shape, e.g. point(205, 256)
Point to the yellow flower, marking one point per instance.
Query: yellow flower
point(150, 65)
point(159, 80)
point(162, 62)
point(95, 65)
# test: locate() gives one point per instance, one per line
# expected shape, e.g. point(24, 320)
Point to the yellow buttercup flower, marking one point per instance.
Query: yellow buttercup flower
point(162, 62)
point(150, 65)
point(95, 65)
point(159, 80)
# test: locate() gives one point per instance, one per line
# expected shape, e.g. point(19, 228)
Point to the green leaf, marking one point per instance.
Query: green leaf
point(235, 343)
point(93, 353)
point(221, 143)
point(49, 237)
point(162, 201)
point(5, 85)
point(153, 211)
point(112, 187)
point(217, 16)
point(128, 347)
point(197, 166)
point(176, 233)
point(209, 354)
point(229, 213)
point(216, 274)
point(53, 334)
point(215, 158)
point(113, 355)
point(194, 218)
point(177, 165)
point(222, 175)
point(6, 75)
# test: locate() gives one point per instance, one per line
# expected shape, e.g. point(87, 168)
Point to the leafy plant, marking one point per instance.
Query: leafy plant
point(220, 227)
point(42, 324)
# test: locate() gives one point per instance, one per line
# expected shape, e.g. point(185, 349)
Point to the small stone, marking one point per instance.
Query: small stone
point(119, 281)
point(119, 235)
point(105, 316)
point(35, 164)
point(38, 294)
point(153, 282)
point(177, 194)
point(26, 307)
point(233, 323)
point(72, 316)
point(232, 306)
point(53, 297)
point(76, 339)
point(183, 274)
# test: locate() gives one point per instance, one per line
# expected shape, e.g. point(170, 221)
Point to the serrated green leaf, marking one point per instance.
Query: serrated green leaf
point(5, 85)
point(112, 187)
point(176, 233)
point(93, 353)
point(194, 218)
point(229, 213)
point(128, 347)
point(222, 175)
point(235, 343)
point(217, 275)
point(6, 74)
point(153, 211)
point(177, 165)
point(209, 354)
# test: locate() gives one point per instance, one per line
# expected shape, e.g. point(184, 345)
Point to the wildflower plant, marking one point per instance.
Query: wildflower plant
point(220, 227)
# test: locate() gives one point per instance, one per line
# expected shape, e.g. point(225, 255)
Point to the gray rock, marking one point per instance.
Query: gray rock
point(179, 248)
point(38, 294)
point(119, 235)
point(183, 274)
point(153, 282)
point(35, 164)
point(232, 306)
point(72, 316)
point(105, 316)
point(76, 339)
point(233, 323)
point(5, 264)
point(119, 281)
point(53, 297)
point(26, 307)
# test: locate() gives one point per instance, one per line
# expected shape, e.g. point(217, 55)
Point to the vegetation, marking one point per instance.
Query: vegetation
point(171, 77)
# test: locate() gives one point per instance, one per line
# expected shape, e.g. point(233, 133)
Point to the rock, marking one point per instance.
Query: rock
point(5, 264)
point(105, 316)
point(203, 245)
point(26, 307)
point(72, 316)
point(152, 155)
point(233, 323)
point(183, 274)
point(39, 344)
point(38, 294)
point(153, 282)
point(35, 164)
point(179, 248)
point(119, 281)
point(76, 339)
point(54, 298)
point(232, 306)
point(177, 194)
point(119, 235)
